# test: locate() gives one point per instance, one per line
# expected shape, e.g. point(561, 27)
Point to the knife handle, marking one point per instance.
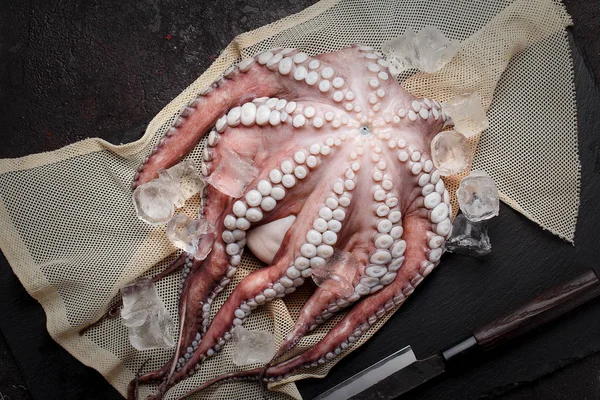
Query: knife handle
point(550, 305)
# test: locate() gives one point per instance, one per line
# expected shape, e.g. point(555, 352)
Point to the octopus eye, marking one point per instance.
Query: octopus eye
point(364, 130)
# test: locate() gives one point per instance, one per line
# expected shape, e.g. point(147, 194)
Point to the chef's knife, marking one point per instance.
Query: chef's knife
point(401, 371)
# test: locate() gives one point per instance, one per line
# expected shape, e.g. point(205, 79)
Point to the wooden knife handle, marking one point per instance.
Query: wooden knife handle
point(550, 305)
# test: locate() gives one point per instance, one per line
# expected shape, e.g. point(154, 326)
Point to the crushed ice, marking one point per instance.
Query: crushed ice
point(468, 237)
point(156, 200)
point(478, 197)
point(185, 233)
point(252, 347)
point(185, 178)
point(451, 153)
point(479, 201)
point(144, 314)
point(428, 51)
point(467, 114)
point(233, 174)
point(337, 274)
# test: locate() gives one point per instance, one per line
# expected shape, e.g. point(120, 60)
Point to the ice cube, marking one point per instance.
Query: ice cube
point(434, 49)
point(337, 274)
point(451, 153)
point(187, 176)
point(478, 197)
point(429, 50)
point(154, 201)
point(252, 346)
point(144, 314)
point(468, 114)
point(468, 237)
point(185, 233)
point(233, 174)
point(401, 53)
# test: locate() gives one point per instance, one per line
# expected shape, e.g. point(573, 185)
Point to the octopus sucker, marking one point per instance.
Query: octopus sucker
point(343, 176)
point(354, 324)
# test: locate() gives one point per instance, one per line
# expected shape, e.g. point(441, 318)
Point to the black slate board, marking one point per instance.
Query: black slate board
point(54, 54)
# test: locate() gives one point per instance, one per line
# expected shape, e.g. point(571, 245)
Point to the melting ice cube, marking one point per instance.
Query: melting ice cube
point(429, 50)
point(188, 179)
point(337, 274)
point(468, 114)
point(233, 174)
point(468, 237)
point(252, 346)
point(154, 201)
point(450, 153)
point(186, 233)
point(478, 197)
point(144, 314)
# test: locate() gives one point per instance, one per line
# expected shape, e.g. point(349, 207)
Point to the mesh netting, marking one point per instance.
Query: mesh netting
point(72, 237)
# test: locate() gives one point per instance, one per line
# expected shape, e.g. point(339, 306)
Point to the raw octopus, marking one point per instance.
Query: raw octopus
point(342, 153)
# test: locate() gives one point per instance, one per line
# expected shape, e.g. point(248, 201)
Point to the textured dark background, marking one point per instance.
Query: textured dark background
point(71, 70)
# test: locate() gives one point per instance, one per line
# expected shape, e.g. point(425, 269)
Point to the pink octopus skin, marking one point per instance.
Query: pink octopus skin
point(339, 144)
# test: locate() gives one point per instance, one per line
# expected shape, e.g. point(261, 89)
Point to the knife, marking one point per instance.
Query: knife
point(402, 371)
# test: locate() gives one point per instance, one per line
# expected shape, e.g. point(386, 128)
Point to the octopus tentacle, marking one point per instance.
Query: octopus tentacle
point(232, 231)
point(314, 128)
point(360, 318)
point(153, 376)
point(318, 307)
point(267, 75)
point(369, 279)
point(377, 269)
point(283, 276)
point(183, 261)
point(252, 374)
point(242, 212)
point(202, 113)
point(233, 225)
point(423, 228)
point(189, 319)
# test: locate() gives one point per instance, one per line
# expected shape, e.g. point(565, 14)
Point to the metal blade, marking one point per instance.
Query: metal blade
point(388, 378)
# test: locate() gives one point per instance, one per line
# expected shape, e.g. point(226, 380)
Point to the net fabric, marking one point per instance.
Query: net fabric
point(75, 241)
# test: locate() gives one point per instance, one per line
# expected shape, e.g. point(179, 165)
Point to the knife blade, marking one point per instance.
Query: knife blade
point(402, 371)
point(380, 380)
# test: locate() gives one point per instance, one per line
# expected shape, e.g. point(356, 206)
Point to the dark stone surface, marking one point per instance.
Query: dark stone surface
point(41, 369)
point(76, 69)
point(70, 70)
point(12, 384)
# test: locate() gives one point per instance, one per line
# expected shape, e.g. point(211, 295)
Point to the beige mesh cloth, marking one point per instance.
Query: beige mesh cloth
point(72, 238)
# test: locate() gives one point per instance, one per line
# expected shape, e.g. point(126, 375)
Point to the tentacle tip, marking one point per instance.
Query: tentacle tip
point(136, 179)
point(140, 178)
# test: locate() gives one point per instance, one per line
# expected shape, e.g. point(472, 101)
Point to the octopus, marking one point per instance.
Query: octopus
point(344, 172)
